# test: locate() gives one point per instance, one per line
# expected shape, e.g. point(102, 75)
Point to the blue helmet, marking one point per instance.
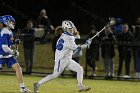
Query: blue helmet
point(10, 18)
point(3, 20)
point(6, 18)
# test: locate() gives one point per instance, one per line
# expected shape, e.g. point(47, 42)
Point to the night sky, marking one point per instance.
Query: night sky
point(74, 10)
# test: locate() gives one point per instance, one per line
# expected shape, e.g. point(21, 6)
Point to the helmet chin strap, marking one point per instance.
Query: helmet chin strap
point(70, 32)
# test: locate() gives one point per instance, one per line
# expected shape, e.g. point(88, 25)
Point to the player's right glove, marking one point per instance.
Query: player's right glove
point(15, 53)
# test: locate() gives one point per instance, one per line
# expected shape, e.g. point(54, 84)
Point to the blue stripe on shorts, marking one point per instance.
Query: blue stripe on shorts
point(58, 66)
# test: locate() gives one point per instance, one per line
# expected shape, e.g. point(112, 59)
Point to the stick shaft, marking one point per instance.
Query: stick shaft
point(99, 32)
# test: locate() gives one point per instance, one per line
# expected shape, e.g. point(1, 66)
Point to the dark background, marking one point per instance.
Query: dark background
point(59, 10)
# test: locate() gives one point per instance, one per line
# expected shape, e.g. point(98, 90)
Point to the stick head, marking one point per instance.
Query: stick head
point(112, 22)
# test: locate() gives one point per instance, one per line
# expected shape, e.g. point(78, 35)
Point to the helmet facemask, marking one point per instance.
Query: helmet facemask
point(11, 24)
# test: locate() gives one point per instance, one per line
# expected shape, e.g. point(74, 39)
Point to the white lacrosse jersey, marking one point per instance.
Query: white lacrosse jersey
point(65, 46)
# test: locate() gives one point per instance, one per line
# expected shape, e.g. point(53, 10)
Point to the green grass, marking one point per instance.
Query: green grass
point(8, 84)
point(44, 62)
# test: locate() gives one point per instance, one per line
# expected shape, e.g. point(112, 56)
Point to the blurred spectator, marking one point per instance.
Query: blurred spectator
point(136, 49)
point(118, 27)
point(58, 32)
point(107, 52)
point(28, 45)
point(44, 22)
point(92, 53)
point(124, 51)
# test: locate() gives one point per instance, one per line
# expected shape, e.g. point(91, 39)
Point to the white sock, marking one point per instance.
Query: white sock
point(22, 85)
point(80, 77)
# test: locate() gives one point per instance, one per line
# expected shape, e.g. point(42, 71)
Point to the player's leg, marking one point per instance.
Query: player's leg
point(18, 71)
point(74, 66)
point(49, 77)
point(12, 62)
point(58, 69)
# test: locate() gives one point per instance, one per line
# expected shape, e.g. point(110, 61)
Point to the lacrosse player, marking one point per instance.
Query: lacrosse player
point(65, 48)
point(7, 55)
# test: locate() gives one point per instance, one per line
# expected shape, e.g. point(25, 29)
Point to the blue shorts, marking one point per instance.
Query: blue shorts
point(8, 61)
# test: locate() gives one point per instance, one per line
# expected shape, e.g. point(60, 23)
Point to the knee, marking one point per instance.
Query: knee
point(81, 69)
point(19, 69)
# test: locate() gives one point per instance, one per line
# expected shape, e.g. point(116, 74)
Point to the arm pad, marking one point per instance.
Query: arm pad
point(77, 50)
point(7, 49)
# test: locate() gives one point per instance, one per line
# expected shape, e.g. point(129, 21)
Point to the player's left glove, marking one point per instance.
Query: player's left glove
point(88, 42)
point(17, 41)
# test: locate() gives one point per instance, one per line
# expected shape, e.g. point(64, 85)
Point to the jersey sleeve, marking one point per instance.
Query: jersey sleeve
point(4, 39)
point(72, 44)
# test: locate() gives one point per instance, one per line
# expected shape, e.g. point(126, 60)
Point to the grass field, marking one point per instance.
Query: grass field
point(8, 84)
point(44, 63)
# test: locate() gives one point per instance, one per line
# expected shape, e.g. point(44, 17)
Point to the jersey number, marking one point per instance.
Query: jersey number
point(59, 45)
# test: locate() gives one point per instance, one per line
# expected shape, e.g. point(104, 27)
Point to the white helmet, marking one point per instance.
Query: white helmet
point(67, 24)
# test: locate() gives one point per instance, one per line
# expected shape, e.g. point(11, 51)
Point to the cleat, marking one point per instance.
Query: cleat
point(23, 89)
point(83, 88)
point(36, 87)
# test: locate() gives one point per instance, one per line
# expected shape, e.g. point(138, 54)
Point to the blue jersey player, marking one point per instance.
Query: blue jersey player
point(7, 55)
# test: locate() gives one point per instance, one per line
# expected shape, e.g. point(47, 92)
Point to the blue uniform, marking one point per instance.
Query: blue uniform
point(6, 39)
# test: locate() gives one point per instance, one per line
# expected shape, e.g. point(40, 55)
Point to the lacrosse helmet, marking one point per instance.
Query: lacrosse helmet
point(8, 20)
point(66, 25)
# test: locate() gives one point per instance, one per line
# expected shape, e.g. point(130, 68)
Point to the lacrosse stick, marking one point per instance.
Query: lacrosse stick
point(94, 16)
point(111, 23)
point(17, 40)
